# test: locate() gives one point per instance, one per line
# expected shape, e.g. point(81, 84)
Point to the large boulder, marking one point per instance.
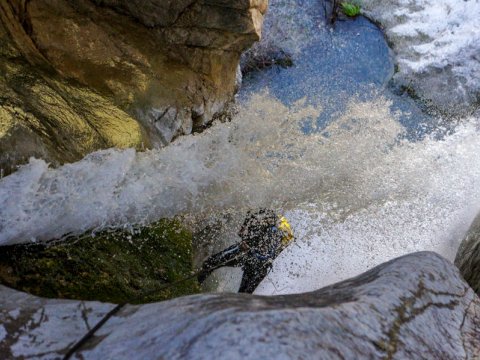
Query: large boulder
point(468, 256)
point(414, 307)
point(88, 74)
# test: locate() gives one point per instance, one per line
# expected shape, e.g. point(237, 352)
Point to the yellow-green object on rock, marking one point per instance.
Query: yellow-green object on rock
point(350, 9)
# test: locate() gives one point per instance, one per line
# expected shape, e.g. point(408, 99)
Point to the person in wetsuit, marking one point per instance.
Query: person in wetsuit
point(264, 235)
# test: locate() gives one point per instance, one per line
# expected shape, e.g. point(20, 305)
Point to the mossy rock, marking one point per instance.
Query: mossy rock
point(139, 265)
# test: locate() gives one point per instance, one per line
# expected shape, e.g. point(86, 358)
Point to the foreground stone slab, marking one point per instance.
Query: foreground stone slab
point(37, 328)
point(414, 307)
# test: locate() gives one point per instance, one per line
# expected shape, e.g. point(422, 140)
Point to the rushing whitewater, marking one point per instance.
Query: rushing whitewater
point(357, 197)
point(357, 188)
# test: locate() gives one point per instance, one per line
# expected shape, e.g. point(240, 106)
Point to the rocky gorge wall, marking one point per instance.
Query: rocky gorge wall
point(84, 75)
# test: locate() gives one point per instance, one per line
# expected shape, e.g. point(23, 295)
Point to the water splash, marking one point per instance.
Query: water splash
point(430, 193)
point(262, 158)
point(216, 169)
point(357, 193)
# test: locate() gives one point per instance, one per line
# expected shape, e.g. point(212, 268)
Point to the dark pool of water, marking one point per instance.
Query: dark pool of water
point(350, 59)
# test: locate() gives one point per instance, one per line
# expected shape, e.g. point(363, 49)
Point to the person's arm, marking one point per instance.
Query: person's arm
point(231, 256)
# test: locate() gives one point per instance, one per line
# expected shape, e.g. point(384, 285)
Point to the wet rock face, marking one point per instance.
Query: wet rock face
point(468, 256)
point(90, 74)
point(414, 307)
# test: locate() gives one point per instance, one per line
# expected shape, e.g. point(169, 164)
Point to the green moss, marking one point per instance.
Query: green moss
point(137, 266)
point(351, 9)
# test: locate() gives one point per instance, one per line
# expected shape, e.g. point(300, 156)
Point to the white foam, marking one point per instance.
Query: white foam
point(333, 245)
point(356, 194)
point(226, 166)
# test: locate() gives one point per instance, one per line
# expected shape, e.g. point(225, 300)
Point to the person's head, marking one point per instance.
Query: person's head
point(258, 226)
point(263, 226)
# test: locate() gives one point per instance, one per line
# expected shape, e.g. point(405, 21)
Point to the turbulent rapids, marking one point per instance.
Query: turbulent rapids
point(356, 189)
point(356, 197)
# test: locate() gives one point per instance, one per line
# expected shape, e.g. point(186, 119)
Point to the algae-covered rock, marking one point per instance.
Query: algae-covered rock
point(136, 265)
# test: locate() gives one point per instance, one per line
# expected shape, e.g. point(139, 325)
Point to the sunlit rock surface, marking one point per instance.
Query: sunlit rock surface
point(84, 75)
point(413, 307)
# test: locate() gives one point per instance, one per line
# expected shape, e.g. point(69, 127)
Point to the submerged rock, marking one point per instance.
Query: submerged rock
point(468, 256)
point(412, 307)
point(437, 44)
point(85, 75)
point(136, 266)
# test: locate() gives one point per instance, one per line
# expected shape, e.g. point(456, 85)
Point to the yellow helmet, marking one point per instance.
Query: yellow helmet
point(286, 229)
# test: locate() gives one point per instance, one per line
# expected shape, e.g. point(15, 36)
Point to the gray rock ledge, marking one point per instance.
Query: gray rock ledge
point(36, 328)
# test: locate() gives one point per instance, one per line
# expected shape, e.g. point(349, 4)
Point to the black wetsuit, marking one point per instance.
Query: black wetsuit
point(262, 242)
